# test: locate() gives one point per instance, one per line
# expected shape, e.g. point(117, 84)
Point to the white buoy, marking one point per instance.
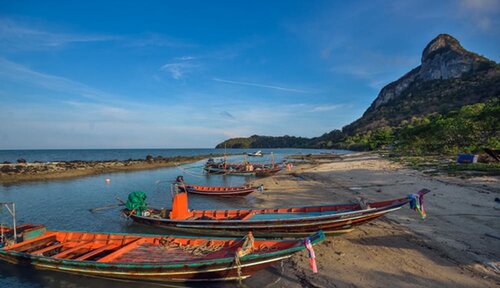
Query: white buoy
point(108, 180)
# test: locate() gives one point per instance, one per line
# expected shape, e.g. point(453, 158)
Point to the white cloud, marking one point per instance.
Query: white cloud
point(22, 36)
point(281, 88)
point(157, 40)
point(179, 69)
point(483, 13)
point(482, 6)
point(325, 108)
point(375, 68)
point(185, 58)
point(22, 74)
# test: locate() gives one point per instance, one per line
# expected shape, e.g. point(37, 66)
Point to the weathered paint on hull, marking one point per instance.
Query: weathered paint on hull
point(150, 258)
point(230, 194)
point(222, 272)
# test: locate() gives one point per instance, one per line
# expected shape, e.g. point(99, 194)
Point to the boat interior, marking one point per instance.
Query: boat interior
point(180, 211)
point(123, 248)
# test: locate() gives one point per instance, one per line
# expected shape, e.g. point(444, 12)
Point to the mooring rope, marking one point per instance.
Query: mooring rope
point(201, 249)
point(245, 249)
point(185, 170)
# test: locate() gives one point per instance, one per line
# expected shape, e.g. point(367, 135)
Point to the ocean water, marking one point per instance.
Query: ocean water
point(124, 154)
point(65, 204)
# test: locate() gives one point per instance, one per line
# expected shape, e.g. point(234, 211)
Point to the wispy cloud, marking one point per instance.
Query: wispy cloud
point(157, 40)
point(185, 58)
point(32, 35)
point(483, 13)
point(375, 68)
point(99, 111)
point(281, 88)
point(179, 69)
point(17, 35)
point(22, 74)
point(325, 108)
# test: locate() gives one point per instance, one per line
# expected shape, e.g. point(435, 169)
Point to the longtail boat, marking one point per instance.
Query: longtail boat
point(222, 191)
point(241, 169)
point(152, 258)
point(256, 154)
point(272, 222)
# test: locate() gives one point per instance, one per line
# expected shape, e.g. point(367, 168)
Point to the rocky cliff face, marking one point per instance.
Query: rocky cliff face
point(444, 60)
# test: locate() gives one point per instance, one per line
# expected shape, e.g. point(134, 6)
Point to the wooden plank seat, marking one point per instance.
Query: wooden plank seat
point(71, 250)
point(47, 249)
point(32, 243)
point(125, 248)
point(97, 251)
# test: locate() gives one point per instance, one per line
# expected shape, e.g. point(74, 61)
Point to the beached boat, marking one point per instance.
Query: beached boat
point(222, 191)
point(256, 154)
point(272, 222)
point(151, 258)
point(248, 169)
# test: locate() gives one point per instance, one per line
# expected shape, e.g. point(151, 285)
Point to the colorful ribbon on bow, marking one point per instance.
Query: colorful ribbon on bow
point(417, 204)
point(312, 257)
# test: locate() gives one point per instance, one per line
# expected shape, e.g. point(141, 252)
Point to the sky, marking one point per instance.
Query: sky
point(191, 74)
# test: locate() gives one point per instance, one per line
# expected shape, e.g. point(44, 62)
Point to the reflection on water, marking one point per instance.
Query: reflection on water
point(27, 277)
point(65, 204)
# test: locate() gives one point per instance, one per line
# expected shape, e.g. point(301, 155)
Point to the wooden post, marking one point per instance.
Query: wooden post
point(13, 214)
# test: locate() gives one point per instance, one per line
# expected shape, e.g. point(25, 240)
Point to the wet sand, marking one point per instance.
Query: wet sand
point(453, 247)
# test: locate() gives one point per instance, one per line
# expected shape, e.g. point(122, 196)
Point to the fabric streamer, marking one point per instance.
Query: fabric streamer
point(417, 204)
point(312, 257)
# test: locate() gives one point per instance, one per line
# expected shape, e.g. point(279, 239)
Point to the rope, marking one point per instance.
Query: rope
point(245, 249)
point(185, 170)
point(201, 249)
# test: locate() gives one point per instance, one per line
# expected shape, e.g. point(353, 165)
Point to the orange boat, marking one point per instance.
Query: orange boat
point(271, 222)
point(151, 258)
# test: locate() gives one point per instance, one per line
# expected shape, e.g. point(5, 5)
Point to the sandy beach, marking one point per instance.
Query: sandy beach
point(456, 246)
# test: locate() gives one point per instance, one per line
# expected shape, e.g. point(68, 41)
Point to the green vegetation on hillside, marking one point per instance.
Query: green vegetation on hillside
point(436, 96)
point(468, 129)
point(326, 141)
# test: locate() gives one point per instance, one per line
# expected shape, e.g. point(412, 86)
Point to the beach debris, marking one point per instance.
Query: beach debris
point(355, 188)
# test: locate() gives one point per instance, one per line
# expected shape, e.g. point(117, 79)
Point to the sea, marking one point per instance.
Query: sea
point(66, 204)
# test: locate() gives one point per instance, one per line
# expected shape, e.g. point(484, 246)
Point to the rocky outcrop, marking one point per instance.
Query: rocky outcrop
point(17, 172)
point(443, 61)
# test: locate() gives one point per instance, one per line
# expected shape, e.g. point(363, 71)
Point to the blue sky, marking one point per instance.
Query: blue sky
point(190, 74)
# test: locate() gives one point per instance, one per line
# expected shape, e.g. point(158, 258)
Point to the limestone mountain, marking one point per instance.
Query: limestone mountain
point(448, 78)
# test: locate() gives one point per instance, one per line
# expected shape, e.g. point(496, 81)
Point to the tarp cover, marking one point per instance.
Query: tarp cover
point(137, 201)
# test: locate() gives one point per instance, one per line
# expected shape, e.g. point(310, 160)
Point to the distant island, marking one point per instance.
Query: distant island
point(448, 104)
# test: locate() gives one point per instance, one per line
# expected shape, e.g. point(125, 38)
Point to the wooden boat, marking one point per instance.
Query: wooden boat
point(151, 258)
point(256, 154)
point(272, 222)
point(219, 190)
point(259, 170)
point(222, 191)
